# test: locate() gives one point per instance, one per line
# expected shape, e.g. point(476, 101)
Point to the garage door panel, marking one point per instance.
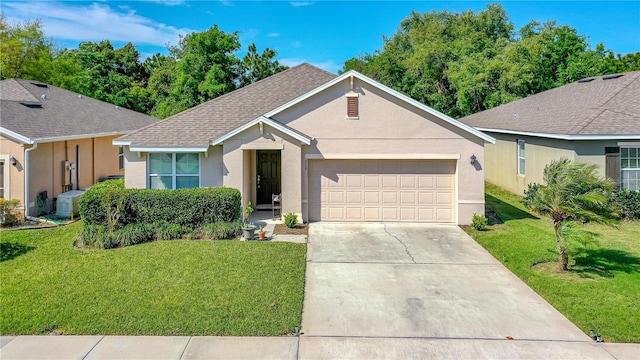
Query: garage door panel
point(354, 181)
point(371, 181)
point(408, 197)
point(425, 181)
point(443, 198)
point(408, 214)
point(354, 197)
point(426, 214)
point(389, 197)
point(407, 181)
point(335, 213)
point(389, 213)
point(390, 181)
point(372, 214)
point(425, 198)
point(382, 190)
point(354, 213)
point(444, 182)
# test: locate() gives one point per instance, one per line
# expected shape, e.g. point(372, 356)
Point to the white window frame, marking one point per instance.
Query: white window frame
point(173, 173)
point(7, 172)
point(629, 169)
point(521, 169)
point(121, 157)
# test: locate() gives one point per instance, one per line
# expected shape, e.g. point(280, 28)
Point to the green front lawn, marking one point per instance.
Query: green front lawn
point(178, 287)
point(600, 292)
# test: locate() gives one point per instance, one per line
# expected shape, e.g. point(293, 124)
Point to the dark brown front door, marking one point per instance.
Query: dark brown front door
point(268, 175)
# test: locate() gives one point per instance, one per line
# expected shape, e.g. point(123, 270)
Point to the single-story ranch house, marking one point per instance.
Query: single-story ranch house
point(594, 120)
point(338, 148)
point(56, 140)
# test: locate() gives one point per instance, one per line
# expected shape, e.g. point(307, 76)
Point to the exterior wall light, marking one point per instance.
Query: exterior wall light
point(13, 160)
point(473, 159)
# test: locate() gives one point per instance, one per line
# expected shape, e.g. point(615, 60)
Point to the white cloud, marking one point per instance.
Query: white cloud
point(94, 22)
point(328, 65)
point(273, 34)
point(167, 2)
point(300, 3)
point(250, 33)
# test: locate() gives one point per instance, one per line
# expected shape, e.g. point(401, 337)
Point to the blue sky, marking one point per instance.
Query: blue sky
point(323, 33)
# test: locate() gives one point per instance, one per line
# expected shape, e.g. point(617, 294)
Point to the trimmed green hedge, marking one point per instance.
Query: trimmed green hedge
point(110, 204)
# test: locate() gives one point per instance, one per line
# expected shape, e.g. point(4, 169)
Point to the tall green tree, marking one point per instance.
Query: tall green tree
point(206, 67)
point(571, 192)
point(25, 52)
point(255, 67)
point(463, 63)
point(109, 74)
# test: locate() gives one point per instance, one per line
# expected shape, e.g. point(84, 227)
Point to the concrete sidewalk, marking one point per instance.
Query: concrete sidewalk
point(304, 347)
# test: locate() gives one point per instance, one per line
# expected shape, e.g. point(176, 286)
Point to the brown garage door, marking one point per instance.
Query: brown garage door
point(382, 190)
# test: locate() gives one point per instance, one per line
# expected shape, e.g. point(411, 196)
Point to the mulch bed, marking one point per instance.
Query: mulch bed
point(298, 230)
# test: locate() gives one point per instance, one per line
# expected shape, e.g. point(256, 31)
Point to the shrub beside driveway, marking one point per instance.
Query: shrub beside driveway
point(600, 291)
point(176, 287)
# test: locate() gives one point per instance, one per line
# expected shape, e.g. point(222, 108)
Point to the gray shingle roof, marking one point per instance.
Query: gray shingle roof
point(597, 107)
point(215, 118)
point(54, 112)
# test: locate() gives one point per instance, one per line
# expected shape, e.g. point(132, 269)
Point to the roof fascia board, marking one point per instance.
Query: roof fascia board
point(76, 137)
point(563, 136)
point(118, 142)
point(389, 91)
point(15, 136)
point(304, 140)
point(168, 149)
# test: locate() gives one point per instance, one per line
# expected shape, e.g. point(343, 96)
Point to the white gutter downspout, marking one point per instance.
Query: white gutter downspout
point(26, 183)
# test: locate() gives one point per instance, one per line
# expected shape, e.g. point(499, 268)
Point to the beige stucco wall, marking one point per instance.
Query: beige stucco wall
point(97, 158)
point(135, 169)
point(387, 127)
point(15, 179)
point(502, 160)
point(593, 152)
point(240, 165)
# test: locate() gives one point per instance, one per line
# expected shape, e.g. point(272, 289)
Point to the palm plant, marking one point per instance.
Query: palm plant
point(572, 191)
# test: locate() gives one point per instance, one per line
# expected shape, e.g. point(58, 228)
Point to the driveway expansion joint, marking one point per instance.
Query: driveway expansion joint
point(185, 347)
point(93, 347)
point(400, 241)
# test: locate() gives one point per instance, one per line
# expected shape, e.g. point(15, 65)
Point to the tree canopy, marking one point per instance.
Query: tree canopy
point(202, 66)
point(463, 63)
point(456, 62)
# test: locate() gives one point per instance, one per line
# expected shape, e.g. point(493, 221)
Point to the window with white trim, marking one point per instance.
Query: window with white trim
point(121, 157)
point(2, 165)
point(521, 157)
point(630, 168)
point(174, 170)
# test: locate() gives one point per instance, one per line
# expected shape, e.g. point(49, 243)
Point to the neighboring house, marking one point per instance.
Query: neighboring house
point(55, 140)
point(594, 120)
point(338, 148)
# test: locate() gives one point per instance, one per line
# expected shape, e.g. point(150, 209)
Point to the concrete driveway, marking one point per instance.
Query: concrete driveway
point(378, 290)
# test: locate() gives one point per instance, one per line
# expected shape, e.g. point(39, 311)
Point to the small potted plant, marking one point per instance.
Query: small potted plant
point(248, 229)
point(261, 233)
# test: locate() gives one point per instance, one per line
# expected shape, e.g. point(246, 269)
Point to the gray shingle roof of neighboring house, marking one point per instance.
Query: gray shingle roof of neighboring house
point(605, 105)
point(215, 118)
point(41, 112)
